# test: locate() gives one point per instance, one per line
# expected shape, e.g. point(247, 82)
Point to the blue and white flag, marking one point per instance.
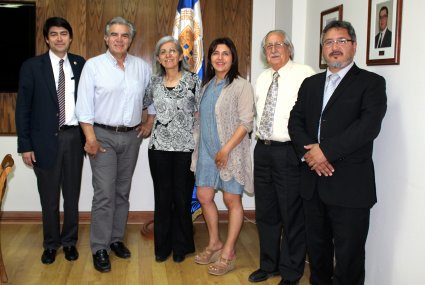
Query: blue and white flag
point(188, 30)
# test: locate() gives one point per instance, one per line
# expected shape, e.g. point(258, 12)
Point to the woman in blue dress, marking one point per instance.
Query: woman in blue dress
point(222, 156)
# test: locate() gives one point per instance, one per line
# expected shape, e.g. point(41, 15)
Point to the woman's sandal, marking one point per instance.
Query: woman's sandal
point(207, 256)
point(222, 266)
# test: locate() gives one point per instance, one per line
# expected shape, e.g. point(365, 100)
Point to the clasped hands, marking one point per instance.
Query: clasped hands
point(317, 161)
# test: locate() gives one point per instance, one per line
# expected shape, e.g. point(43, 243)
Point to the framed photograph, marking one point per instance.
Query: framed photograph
point(326, 17)
point(384, 32)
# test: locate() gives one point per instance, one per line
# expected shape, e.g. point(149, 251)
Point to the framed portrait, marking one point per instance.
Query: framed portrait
point(384, 32)
point(326, 17)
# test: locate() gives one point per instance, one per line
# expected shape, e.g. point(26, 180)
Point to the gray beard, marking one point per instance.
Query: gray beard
point(339, 64)
point(335, 65)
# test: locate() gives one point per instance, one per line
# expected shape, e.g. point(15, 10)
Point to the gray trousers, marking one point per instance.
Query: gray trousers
point(112, 175)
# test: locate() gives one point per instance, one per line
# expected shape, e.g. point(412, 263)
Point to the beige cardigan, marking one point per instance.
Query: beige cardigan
point(234, 108)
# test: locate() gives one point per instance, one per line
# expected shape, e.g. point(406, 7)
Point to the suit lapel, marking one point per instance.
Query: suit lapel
point(318, 100)
point(345, 82)
point(76, 70)
point(49, 77)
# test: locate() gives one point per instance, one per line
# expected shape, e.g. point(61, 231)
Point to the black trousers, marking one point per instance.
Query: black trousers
point(65, 174)
point(279, 214)
point(340, 232)
point(173, 186)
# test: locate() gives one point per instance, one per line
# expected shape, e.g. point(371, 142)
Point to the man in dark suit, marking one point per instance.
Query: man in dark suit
point(49, 137)
point(335, 147)
point(383, 38)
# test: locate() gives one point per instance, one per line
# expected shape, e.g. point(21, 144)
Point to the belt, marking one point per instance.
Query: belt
point(119, 129)
point(269, 142)
point(67, 127)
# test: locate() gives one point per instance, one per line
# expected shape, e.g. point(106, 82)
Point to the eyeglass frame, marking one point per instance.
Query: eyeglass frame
point(276, 45)
point(339, 42)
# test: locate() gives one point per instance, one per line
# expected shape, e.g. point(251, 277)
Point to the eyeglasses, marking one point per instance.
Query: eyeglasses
point(269, 47)
point(171, 51)
point(338, 42)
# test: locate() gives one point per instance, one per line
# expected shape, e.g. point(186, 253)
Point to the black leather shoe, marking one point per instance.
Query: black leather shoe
point(160, 258)
point(48, 256)
point(71, 252)
point(101, 261)
point(120, 249)
point(178, 258)
point(261, 275)
point(287, 282)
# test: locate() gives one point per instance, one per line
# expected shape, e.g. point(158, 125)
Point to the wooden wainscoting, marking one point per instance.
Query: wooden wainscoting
point(134, 217)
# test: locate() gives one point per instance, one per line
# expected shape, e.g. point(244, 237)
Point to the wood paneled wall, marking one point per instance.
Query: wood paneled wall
point(152, 18)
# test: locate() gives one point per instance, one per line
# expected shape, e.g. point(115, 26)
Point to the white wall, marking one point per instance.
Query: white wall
point(23, 195)
point(395, 248)
point(283, 15)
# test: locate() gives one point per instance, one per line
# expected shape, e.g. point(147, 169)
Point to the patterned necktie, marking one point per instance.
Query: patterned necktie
point(329, 90)
point(266, 125)
point(61, 94)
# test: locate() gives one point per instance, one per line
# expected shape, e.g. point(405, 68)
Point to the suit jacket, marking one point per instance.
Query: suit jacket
point(37, 107)
point(350, 122)
point(386, 42)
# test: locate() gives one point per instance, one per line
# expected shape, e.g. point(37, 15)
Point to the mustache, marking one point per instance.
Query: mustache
point(335, 52)
point(275, 53)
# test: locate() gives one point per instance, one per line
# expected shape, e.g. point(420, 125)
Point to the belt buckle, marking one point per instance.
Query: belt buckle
point(267, 142)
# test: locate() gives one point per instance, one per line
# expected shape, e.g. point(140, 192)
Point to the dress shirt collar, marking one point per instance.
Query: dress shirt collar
point(113, 60)
point(283, 70)
point(55, 59)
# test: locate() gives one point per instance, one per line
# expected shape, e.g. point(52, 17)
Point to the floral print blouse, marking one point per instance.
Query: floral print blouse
point(175, 109)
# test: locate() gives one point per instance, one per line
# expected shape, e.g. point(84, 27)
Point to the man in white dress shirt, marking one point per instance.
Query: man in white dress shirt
point(278, 204)
point(109, 109)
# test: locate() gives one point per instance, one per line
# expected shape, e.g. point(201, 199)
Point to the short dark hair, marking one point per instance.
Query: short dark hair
point(383, 8)
point(56, 22)
point(340, 25)
point(233, 72)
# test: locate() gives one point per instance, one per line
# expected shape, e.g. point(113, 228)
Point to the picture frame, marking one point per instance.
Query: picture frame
point(384, 32)
point(326, 17)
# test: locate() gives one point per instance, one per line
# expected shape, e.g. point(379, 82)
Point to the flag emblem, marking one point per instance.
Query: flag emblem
point(188, 30)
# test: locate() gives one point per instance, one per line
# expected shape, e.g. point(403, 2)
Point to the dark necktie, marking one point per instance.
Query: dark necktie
point(61, 94)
